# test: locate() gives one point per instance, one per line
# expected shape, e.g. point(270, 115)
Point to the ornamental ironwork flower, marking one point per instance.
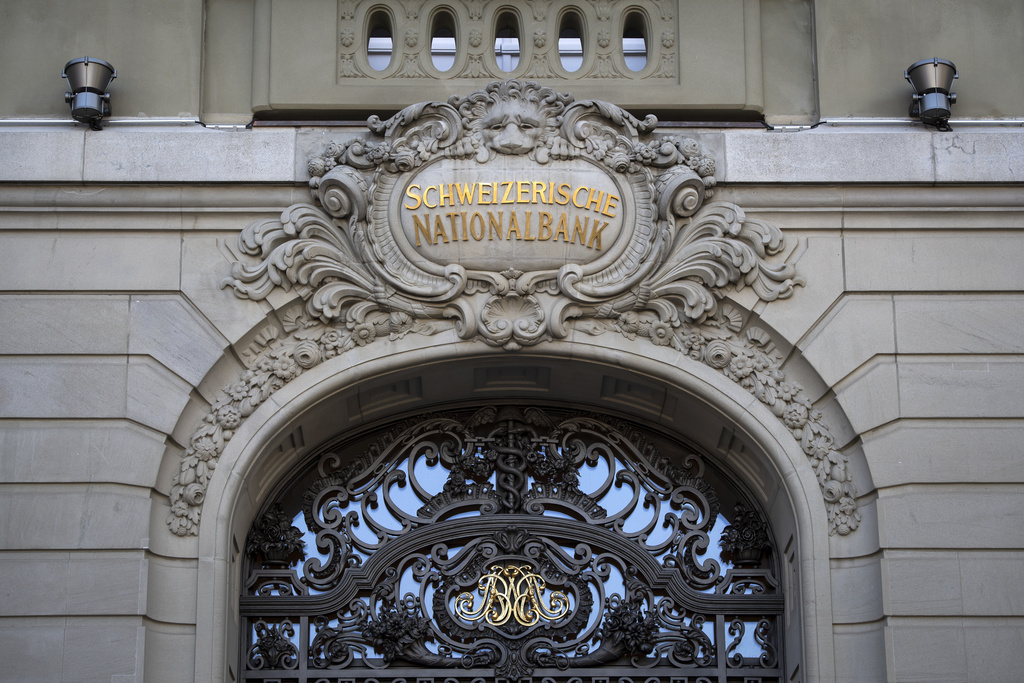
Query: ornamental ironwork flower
point(273, 540)
point(746, 539)
point(629, 628)
point(273, 649)
point(393, 632)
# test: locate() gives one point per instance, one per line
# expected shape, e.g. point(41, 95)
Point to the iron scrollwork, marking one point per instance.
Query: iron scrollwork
point(511, 542)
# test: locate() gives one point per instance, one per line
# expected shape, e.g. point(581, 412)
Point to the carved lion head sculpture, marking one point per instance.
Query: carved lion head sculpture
point(513, 117)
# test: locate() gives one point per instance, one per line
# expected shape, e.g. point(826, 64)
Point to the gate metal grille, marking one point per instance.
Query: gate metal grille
point(509, 544)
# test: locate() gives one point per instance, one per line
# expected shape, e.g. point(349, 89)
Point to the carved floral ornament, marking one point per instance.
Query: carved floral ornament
point(658, 274)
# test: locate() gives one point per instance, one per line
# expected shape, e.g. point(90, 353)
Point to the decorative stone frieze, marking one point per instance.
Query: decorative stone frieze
point(514, 216)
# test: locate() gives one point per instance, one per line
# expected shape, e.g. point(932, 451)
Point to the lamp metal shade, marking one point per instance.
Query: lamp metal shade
point(932, 75)
point(87, 74)
point(931, 80)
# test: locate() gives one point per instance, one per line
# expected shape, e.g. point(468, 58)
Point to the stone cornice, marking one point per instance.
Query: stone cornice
point(847, 155)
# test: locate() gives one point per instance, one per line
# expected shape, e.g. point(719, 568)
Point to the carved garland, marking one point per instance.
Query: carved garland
point(358, 289)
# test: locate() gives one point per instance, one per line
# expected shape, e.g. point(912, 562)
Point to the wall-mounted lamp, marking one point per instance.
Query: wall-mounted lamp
point(88, 79)
point(931, 80)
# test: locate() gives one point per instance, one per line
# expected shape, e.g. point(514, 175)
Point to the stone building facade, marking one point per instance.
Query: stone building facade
point(793, 282)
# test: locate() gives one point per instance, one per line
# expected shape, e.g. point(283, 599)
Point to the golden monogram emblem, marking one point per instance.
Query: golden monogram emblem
point(512, 592)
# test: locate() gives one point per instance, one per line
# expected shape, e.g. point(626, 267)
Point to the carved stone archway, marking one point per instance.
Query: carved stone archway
point(388, 310)
point(716, 412)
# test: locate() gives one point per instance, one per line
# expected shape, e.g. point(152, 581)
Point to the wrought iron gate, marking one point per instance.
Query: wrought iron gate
point(510, 543)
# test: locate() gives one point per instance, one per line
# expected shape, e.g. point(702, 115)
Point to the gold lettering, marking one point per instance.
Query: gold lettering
point(465, 191)
point(595, 236)
point(423, 227)
point(513, 220)
point(576, 194)
point(544, 229)
point(439, 230)
point(563, 228)
point(430, 228)
point(563, 193)
point(521, 187)
point(410, 195)
point(472, 226)
point(510, 591)
point(451, 219)
point(527, 237)
point(610, 204)
point(492, 224)
point(541, 189)
point(580, 230)
point(508, 185)
point(425, 193)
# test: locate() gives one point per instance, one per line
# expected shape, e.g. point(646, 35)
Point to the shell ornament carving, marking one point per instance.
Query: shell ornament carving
point(662, 279)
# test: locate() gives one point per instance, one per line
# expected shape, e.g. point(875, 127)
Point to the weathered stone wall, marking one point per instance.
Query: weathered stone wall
point(116, 335)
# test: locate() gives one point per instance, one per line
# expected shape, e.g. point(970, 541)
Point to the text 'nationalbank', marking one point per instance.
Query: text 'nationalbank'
point(454, 212)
